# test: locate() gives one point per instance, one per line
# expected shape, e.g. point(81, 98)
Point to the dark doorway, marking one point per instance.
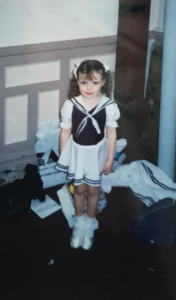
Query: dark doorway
point(131, 55)
point(133, 26)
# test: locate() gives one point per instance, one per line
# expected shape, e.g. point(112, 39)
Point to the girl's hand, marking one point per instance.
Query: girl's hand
point(108, 167)
point(111, 135)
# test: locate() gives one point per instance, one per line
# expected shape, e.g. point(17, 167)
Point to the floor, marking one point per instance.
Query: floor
point(38, 263)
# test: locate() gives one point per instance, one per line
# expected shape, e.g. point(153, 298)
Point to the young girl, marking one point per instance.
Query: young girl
point(87, 142)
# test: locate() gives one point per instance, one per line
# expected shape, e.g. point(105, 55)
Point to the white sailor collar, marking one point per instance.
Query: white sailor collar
point(104, 100)
point(79, 104)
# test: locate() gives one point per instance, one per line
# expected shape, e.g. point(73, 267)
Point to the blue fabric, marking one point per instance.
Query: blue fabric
point(155, 224)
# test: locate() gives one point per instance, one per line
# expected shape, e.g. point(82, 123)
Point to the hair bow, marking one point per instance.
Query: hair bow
point(107, 69)
point(76, 68)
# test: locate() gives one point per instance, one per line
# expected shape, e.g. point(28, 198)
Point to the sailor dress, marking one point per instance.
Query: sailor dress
point(86, 151)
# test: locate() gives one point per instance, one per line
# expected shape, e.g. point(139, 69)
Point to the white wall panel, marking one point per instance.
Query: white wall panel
point(48, 106)
point(109, 59)
point(16, 109)
point(32, 73)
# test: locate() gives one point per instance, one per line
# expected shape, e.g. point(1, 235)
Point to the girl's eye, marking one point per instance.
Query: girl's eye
point(95, 82)
point(83, 82)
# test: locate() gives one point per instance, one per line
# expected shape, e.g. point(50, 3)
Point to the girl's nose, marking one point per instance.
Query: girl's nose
point(89, 86)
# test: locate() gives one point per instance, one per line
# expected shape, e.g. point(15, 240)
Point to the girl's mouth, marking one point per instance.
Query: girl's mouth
point(89, 93)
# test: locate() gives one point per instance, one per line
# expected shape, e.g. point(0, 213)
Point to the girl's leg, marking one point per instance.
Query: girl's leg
point(78, 230)
point(79, 199)
point(92, 204)
point(83, 231)
point(93, 199)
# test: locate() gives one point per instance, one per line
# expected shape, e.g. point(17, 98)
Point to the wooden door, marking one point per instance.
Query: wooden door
point(132, 40)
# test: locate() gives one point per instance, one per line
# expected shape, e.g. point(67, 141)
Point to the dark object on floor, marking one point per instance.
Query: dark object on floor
point(155, 224)
point(15, 197)
point(33, 183)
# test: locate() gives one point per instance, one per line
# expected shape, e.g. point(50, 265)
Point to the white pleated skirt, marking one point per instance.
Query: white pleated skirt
point(83, 164)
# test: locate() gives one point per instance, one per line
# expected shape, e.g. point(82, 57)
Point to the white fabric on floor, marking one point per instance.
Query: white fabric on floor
point(147, 181)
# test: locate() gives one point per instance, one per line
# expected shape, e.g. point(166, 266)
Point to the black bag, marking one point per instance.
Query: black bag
point(155, 224)
point(33, 183)
point(15, 197)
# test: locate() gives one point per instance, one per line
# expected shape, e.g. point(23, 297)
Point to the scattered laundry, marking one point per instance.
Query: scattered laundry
point(149, 183)
point(16, 196)
point(154, 225)
point(118, 162)
point(50, 176)
point(10, 175)
point(44, 209)
point(47, 140)
point(67, 203)
point(120, 145)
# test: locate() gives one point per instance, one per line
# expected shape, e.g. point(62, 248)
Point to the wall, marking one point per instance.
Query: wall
point(25, 22)
point(160, 19)
point(40, 42)
point(156, 27)
point(34, 77)
point(33, 87)
point(157, 15)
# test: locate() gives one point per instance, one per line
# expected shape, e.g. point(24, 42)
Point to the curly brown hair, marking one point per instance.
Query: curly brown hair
point(87, 68)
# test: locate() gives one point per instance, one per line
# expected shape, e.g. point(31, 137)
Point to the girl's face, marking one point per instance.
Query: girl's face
point(90, 88)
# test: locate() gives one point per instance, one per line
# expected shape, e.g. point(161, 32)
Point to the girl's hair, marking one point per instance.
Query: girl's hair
point(87, 68)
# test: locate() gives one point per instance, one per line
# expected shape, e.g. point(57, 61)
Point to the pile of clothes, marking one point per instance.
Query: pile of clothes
point(18, 188)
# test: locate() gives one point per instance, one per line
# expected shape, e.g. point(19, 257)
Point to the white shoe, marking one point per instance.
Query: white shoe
point(87, 243)
point(76, 242)
point(77, 234)
point(88, 237)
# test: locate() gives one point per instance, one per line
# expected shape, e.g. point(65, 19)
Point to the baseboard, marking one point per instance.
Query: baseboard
point(18, 163)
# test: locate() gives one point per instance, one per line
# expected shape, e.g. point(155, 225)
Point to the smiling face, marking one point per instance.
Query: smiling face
point(90, 87)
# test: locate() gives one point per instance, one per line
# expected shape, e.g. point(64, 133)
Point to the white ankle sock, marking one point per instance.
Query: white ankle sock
point(79, 218)
point(78, 229)
point(89, 220)
point(89, 229)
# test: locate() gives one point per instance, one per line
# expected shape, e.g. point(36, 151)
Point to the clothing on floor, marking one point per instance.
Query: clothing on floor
point(148, 182)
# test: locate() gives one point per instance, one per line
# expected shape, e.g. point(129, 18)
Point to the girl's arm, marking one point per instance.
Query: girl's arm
point(112, 137)
point(64, 136)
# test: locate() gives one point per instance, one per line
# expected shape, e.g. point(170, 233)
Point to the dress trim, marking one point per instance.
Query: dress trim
point(70, 176)
point(61, 167)
point(84, 180)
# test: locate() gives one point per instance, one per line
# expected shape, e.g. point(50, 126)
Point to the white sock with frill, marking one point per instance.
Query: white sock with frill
point(78, 229)
point(89, 227)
